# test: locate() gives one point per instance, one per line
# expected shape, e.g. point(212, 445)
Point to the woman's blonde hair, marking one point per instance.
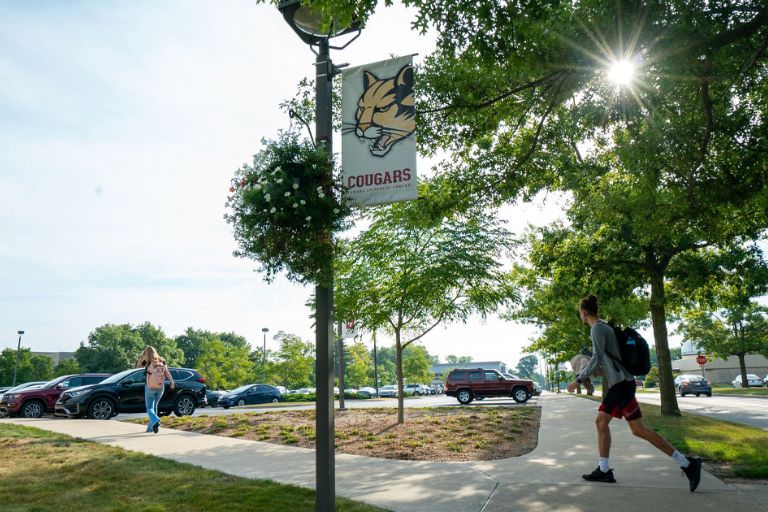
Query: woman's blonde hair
point(150, 355)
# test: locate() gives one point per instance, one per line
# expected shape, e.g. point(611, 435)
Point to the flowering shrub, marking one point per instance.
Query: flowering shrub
point(285, 207)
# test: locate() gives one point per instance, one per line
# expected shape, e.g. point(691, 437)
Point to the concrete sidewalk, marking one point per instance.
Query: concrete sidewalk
point(548, 479)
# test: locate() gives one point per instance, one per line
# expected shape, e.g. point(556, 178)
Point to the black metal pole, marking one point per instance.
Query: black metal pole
point(325, 460)
point(15, 366)
point(375, 365)
point(342, 385)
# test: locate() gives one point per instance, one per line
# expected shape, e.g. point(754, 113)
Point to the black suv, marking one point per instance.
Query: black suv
point(124, 392)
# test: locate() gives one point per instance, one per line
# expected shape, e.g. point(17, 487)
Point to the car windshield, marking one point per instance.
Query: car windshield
point(55, 381)
point(241, 389)
point(30, 386)
point(388, 387)
point(118, 376)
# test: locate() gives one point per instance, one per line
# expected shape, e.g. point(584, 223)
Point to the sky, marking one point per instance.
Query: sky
point(121, 124)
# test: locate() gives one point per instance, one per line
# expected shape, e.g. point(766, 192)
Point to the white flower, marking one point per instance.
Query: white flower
point(319, 189)
point(279, 181)
point(303, 202)
point(273, 210)
point(267, 197)
point(335, 210)
point(295, 205)
point(320, 195)
point(295, 186)
point(277, 169)
point(309, 218)
point(287, 194)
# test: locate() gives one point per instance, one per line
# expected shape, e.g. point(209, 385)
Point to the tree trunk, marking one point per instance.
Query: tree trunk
point(399, 370)
point(743, 369)
point(669, 405)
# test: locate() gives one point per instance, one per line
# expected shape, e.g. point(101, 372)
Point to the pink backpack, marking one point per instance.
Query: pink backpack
point(156, 375)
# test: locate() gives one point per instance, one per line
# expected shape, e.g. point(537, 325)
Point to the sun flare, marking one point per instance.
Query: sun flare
point(621, 72)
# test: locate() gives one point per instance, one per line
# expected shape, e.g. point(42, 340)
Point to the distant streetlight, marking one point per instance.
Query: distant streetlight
point(18, 348)
point(264, 358)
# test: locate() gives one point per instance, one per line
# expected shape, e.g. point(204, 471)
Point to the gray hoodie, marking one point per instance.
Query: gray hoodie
point(604, 339)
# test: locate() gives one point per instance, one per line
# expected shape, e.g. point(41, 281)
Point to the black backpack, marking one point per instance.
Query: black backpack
point(634, 351)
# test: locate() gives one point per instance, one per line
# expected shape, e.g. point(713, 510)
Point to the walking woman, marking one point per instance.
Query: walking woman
point(155, 371)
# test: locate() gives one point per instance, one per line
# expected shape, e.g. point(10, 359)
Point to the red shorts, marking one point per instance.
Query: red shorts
point(620, 401)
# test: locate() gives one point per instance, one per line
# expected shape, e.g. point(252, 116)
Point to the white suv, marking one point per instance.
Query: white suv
point(414, 390)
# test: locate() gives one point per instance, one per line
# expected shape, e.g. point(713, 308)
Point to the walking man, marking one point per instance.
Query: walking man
point(619, 401)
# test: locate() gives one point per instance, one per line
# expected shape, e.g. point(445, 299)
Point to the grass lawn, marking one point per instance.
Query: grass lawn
point(43, 471)
point(728, 390)
point(728, 449)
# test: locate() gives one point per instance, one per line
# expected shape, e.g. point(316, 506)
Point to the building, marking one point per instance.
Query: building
point(441, 370)
point(720, 371)
point(57, 357)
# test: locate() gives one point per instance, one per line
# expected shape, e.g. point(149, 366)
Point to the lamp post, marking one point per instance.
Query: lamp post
point(264, 330)
point(15, 366)
point(307, 24)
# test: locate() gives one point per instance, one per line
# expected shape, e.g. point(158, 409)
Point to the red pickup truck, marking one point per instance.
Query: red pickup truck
point(477, 383)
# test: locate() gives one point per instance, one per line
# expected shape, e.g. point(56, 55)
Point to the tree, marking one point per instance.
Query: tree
point(193, 340)
point(113, 348)
point(722, 317)
point(359, 366)
point(30, 367)
point(407, 276)
point(526, 367)
point(224, 366)
point(452, 359)
point(417, 364)
point(294, 362)
point(66, 367)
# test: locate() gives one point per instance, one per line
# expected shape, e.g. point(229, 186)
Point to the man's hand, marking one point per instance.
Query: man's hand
point(572, 386)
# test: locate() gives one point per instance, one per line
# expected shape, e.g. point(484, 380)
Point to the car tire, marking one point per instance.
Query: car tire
point(101, 409)
point(709, 394)
point(241, 402)
point(698, 394)
point(275, 400)
point(464, 396)
point(226, 406)
point(682, 395)
point(184, 406)
point(32, 409)
point(520, 395)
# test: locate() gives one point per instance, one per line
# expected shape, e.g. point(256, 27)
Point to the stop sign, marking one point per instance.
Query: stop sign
point(702, 360)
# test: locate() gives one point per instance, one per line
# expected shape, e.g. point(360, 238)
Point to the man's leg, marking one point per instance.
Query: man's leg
point(691, 466)
point(603, 434)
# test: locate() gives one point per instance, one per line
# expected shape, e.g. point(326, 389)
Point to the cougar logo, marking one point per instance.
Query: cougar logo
point(385, 111)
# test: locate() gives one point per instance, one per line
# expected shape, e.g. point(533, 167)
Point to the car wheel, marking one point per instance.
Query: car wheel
point(698, 394)
point(464, 396)
point(275, 400)
point(226, 406)
point(241, 402)
point(184, 406)
point(33, 409)
point(101, 409)
point(520, 395)
point(709, 394)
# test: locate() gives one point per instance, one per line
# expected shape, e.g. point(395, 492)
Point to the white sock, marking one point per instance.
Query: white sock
point(681, 459)
point(602, 463)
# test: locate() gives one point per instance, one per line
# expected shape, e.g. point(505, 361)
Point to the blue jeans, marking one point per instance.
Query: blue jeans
point(152, 398)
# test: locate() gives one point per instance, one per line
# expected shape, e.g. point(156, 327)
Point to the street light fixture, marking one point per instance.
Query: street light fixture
point(15, 366)
point(308, 25)
point(264, 354)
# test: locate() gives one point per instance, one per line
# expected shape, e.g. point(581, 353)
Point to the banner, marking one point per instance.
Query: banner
point(378, 149)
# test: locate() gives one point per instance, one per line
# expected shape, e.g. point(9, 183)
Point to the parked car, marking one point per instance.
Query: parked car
point(213, 397)
point(367, 391)
point(753, 381)
point(765, 380)
point(251, 394)
point(693, 385)
point(477, 383)
point(124, 393)
point(414, 390)
point(388, 391)
point(33, 402)
point(20, 387)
